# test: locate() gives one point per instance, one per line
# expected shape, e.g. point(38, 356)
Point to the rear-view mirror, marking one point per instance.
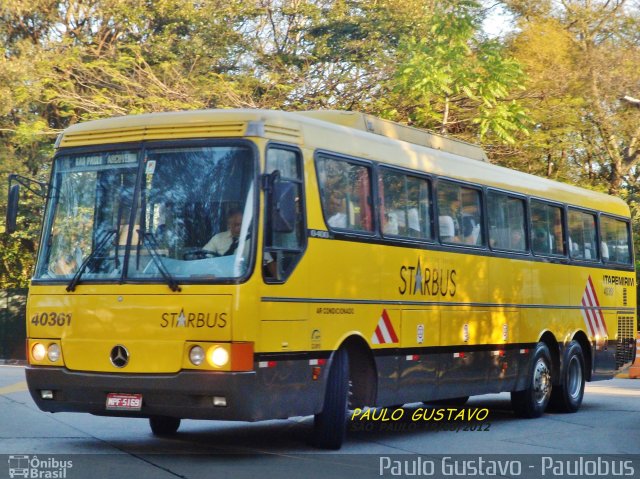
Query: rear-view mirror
point(284, 206)
point(12, 208)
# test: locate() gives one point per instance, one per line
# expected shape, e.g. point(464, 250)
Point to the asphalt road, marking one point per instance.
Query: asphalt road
point(607, 426)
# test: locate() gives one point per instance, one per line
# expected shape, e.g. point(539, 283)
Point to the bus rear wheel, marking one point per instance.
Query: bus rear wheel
point(533, 400)
point(330, 426)
point(164, 425)
point(567, 396)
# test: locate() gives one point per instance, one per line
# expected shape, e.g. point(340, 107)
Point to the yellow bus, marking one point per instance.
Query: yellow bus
point(251, 265)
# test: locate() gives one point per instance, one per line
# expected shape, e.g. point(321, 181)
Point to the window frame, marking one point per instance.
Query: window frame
point(303, 206)
point(595, 214)
point(527, 223)
point(627, 223)
point(320, 155)
point(142, 147)
point(482, 210)
point(563, 211)
point(406, 172)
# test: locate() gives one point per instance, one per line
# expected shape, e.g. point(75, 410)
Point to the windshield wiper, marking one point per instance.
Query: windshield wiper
point(108, 236)
point(149, 242)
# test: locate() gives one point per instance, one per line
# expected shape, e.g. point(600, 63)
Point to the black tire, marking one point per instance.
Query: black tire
point(532, 401)
point(459, 401)
point(567, 396)
point(330, 425)
point(164, 425)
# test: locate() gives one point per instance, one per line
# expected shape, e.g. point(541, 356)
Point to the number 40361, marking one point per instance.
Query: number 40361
point(51, 319)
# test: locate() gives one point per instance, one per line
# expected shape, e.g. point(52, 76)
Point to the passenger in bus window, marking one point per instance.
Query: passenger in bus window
point(413, 218)
point(541, 240)
point(447, 229)
point(470, 229)
point(336, 210)
point(450, 206)
point(517, 240)
point(558, 244)
point(226, 242)
point(390, 226)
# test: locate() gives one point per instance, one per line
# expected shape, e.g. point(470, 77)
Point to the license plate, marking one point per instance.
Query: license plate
point(124, 402)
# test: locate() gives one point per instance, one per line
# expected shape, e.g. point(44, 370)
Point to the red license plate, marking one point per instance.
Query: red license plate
point(124, 402)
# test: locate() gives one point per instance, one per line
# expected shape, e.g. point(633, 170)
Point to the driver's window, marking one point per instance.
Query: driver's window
point(282, 251)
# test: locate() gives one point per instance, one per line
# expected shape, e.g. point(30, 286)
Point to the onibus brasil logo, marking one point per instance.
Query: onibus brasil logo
point(38, 468)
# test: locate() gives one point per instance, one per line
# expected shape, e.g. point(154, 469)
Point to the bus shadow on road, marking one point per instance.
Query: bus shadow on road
point(294, 435)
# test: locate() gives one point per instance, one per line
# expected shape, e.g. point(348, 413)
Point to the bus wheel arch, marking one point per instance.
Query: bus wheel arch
point(362, 372)
point(581, 338)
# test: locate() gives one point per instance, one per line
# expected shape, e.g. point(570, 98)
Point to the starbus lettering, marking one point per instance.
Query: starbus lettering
point(416, 280)
point(193, 320)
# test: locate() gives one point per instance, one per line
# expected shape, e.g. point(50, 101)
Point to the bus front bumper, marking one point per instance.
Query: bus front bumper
point(186, 394)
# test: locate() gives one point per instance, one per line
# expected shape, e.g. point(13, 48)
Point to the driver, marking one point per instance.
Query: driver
point(226, 242)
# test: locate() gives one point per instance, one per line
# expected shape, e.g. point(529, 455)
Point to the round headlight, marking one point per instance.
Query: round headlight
point(53, 352)
point(218, 356)
point(38, 351)
point(196, 355)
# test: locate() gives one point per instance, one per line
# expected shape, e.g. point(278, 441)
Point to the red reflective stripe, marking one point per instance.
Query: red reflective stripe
point(379, 336)
point(587, 314)
point(598, 316)
point(389, 325)
point(593, 291)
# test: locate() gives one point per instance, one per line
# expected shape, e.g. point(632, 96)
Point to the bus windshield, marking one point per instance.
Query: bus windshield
point(180, 212)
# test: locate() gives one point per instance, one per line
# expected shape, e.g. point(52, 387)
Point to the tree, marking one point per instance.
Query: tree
point(67, 61)
point(457, 81)
point(582, 57)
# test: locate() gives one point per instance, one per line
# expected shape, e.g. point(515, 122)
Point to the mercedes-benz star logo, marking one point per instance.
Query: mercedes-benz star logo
point(119, 356)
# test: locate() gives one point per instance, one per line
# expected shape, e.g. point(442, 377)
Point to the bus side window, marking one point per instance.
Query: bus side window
point(345, 190)
point(405, 205)
point(582, 235)
point(506, 222)
point(463, 206)
point(546, 229)
point(282, 251)
point(615, 245)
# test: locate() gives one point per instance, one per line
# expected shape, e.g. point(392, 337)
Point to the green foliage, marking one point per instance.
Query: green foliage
point(454, 80)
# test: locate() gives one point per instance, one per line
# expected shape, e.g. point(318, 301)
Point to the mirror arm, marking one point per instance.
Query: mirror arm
point(38, 188)
point(267, 180)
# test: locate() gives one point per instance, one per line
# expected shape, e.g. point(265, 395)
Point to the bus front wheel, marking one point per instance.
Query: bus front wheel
point(532, 401)
point(567, 396)
point(164, 425)
point(330, 427)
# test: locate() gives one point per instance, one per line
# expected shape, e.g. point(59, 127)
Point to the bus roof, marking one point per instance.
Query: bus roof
point(349, 133)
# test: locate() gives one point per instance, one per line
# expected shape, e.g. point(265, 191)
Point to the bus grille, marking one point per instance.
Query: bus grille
point(625, 347)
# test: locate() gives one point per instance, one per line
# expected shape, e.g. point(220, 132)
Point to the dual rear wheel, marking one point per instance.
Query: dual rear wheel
point(565, 396)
